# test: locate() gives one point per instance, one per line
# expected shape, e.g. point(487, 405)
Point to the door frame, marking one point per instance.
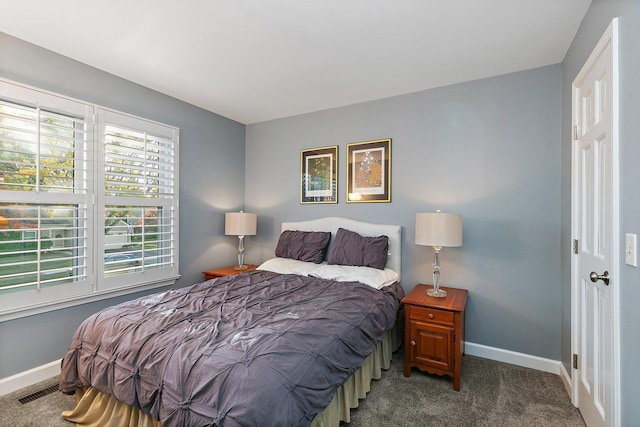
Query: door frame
point(610, 36)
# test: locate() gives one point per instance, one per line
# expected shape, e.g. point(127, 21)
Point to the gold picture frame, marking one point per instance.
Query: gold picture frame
point(369, 171)
point(319, 175)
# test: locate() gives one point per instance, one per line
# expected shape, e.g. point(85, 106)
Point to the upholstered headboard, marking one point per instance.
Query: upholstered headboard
point(332, 224)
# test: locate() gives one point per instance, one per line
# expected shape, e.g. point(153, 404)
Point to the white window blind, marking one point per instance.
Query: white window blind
point(45, 246)
point(140, 195)
point(138, 164)
point(45, 214)
point(41, 150)
point(88, 202)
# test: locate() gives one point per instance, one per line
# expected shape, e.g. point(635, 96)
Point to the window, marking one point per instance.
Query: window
point(88, 202)
point(139, 183)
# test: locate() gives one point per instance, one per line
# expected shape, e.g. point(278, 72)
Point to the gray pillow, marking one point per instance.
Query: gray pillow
point(310, 246)
point(350, 248)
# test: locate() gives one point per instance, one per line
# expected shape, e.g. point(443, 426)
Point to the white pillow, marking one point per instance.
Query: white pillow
point(288, 266)
point(341, 273)
point(345, 273)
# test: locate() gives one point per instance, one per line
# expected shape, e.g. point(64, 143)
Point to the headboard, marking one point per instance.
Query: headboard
point(332, 224)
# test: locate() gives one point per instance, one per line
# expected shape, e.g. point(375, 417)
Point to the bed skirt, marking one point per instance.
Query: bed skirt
point(96, 409)
point(358, 385)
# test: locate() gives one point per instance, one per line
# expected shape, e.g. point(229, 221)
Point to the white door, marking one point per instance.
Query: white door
point(594, 209)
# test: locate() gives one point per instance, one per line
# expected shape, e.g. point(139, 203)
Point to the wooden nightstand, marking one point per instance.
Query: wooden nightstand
point(434, 332)
point(226, 271)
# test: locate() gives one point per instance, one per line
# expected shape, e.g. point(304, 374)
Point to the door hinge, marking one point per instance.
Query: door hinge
point(575, 246)
point(575, 361)
point(575, 132)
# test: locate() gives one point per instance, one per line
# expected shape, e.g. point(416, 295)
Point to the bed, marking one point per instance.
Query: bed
point(296, 342)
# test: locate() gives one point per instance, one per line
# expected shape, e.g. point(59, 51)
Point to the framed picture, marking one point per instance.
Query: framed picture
point(369, 171)
point(319, 175)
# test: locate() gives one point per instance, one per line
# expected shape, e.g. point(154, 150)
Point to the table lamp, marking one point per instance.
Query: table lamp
point(438, 229)
point(240, 224)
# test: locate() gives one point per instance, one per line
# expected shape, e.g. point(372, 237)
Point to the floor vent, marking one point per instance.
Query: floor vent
point(38, 394)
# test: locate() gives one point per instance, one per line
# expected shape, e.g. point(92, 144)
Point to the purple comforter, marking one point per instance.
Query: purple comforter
point(256, 349)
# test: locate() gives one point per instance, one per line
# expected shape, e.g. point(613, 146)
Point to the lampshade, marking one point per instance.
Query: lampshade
point(439, 229)
point(240, 224)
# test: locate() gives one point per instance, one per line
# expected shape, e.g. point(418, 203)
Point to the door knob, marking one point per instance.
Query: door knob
point(595, 277)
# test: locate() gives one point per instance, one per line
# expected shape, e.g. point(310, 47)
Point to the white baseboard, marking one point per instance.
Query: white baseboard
point(30, 377)
point(521, 359)
point(512, 357)
point(566, 380)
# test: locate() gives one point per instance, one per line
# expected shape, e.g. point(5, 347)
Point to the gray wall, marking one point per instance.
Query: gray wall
point(488, 149)
point(593, 26)
point(211, 183)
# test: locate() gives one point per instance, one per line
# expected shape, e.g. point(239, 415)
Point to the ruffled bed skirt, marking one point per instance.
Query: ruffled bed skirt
point(94, 408)
point(97, 409)
point(358, 385)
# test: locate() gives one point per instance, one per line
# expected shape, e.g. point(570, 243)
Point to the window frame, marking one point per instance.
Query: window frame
point(95, 286)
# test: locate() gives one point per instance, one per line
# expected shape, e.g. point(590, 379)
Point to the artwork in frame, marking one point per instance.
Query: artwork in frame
point(319, 175)
point(369, 171)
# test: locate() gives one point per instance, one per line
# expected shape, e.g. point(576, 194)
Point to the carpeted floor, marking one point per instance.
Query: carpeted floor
point(491, 394)
point(42, 412)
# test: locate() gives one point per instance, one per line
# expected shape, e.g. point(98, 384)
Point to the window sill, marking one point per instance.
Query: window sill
point(84, 299)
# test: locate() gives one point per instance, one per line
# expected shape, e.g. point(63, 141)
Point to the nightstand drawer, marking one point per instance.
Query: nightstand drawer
point(431, 315)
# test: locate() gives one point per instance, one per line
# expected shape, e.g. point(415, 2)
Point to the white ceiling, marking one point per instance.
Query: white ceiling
point(256, 60)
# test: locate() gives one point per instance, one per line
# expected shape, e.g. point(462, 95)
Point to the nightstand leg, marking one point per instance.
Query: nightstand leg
point(407, 340)
point(456, 372)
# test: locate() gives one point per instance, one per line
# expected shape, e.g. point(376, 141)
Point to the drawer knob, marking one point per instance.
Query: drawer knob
point(430, 315)
point(413, 342)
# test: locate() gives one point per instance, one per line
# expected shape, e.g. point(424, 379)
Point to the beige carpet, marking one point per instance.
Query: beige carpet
point(491, 394)
point(42, 412)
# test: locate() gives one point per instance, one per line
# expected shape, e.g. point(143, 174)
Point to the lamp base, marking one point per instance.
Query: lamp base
point(241, 267)
point(437, 293)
